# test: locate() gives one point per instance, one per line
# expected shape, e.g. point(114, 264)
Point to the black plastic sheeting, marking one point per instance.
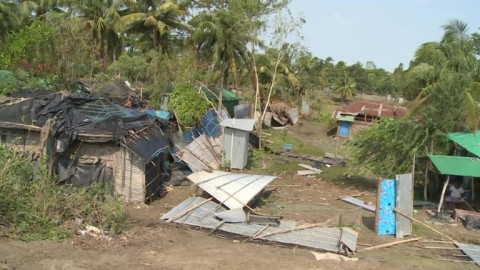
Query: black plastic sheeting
point(82, 174)
point(74, 113)
point(148, 143)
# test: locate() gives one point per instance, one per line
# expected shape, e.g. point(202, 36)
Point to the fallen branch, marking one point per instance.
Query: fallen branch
point(389, 244)
point(421, 223)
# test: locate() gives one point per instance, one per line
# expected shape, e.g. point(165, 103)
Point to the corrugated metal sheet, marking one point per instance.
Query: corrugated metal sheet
point(233, 190)
point(374, 109)
point(315, 237)
point(235, 148)
point(472, 251)
point(404, 202)
point(129, 176)
point(469, 141)
point(241, 124)
point(203, 153)
point(147, 143)
point(360, 203)
point(454, 165)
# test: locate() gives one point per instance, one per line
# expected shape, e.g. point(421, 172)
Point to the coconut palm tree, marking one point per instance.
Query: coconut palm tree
point(155, 20)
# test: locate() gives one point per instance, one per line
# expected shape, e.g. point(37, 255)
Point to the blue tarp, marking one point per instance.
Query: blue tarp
point(158, 114)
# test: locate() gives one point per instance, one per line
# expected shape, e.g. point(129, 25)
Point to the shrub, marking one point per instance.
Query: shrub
point(33, 206)
point(189, 105)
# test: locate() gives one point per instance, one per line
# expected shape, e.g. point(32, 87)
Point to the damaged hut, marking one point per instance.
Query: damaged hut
point(88, 139)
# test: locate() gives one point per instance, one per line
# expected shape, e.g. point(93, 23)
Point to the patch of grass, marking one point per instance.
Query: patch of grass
point(33, 206)
point(278, 138)
point(340, 176)
point(271, 164)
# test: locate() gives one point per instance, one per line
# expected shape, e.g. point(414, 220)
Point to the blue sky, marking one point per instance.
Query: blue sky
point(386, 32)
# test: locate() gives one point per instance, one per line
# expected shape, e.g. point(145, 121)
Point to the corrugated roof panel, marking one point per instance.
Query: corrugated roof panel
point(314, 237)
point(454, 165)
point(472, 251)
point(469, 141)
point(233, 190)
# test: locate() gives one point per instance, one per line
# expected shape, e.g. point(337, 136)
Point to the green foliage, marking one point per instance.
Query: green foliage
point(22, 45)
point(37, 208)
point(387, 148)
point(188, 104)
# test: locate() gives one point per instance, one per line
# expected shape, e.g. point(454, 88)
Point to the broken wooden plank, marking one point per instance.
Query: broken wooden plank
point(308, 167)
point(390, 244)
point(306, 172)
point(360, 203)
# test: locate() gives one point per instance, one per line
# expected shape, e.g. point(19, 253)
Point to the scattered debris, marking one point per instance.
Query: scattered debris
point(360, 203)
point(287, 232)
point(425, 225)
point(390, 244)
point(462, 214)
point(419, 203)
point(354, 195)
point(230, 189)
point(203, 153)
point(327, 161)
point(310, 170)
point(332, 256)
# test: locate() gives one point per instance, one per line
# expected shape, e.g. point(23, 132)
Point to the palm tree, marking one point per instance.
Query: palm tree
point(345, 87)
point(100, 17)
point(9, 19)
point(156, 20)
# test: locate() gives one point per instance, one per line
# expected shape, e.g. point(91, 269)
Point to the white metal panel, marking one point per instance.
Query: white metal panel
point(235, 147)
point(241, 124)
point(233, 190)
point(404, 202)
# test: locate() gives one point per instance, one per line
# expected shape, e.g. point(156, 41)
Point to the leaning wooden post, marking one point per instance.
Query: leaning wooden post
point(443, 194)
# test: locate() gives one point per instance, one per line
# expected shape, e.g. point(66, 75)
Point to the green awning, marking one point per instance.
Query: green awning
point(348, 118)
point(455, 165)
point(213, 92)
point(469, 141)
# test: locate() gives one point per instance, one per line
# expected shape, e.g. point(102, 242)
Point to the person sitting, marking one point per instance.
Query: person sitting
point(454, 198)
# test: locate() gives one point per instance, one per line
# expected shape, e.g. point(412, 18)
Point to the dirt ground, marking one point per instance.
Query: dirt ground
point(153, 244)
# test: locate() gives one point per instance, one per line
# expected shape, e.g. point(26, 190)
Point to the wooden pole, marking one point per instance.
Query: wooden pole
point(257, 233)
point(188, 210)
point(421, 223)
point(217, 227)
point(295, 228)
point(389, 244)
point(425, 184)
point(443, 194)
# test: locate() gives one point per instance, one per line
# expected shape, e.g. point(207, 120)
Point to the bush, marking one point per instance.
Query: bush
point(189, 105)
point(33, 206)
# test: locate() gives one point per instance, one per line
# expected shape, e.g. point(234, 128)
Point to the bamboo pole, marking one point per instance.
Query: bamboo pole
point(421, 223)
point(389, 244)
point(217, 227)
point(256, 233)
point(443, 194)
point(181, 214)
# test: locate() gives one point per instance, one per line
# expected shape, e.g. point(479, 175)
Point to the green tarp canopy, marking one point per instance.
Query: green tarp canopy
point(469, 141)
point(455, 165)
point(229, 98)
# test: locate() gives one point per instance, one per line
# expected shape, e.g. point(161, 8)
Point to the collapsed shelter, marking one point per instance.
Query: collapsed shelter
point(88, 139)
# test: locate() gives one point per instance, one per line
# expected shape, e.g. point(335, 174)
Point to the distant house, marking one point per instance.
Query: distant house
point(88, 139)
point(362, 113)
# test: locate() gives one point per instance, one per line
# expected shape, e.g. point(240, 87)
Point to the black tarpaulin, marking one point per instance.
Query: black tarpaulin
point(82, 173)
point(74, 113)
point(148, 143)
